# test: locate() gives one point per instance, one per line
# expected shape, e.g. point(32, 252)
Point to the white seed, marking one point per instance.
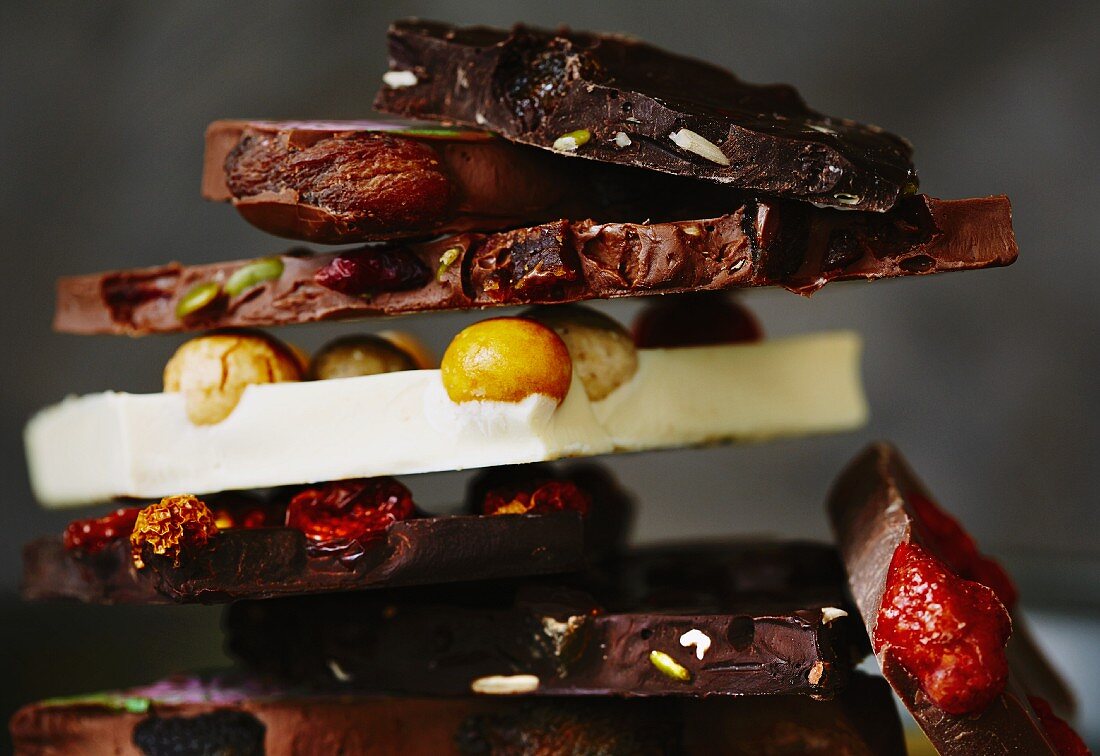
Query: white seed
point(460, 79)
point(701, 146)
point(399, 79)
point(847, 199)
point(566, 144)
point(830, 613)
point(338, 672)
point(621, 139)
point(505, 685)
point(480, 119)
point(696, 638)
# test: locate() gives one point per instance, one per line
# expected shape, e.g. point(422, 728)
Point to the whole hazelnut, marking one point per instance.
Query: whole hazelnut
point(417, 349)
point(603, 353)
point(212, 371)
point(353, 356)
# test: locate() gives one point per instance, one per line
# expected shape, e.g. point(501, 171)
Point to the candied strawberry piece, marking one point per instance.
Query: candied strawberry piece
point(702, 319)
point(1063, 737)
point(93, 535)
point(174, 527)
point(945, 535)
point(948, 632)
point(361, 509)
point(371, 270)
point(540, 497)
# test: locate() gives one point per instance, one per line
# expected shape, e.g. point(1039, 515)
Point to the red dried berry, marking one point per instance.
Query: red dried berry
point(541, 497)
point(704, 319)
point(94, 535)
point(1063, 737)
point(948, 632)
point(244, 512)
point(945, 536)
point(371, 270)
point(361, 509)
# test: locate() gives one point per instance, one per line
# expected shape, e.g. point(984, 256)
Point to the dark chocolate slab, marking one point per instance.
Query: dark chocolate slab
point(629, 99)
point(246, 717)
point(769, 611)
point(871, 516)
point(268, 562)
point(756, 244)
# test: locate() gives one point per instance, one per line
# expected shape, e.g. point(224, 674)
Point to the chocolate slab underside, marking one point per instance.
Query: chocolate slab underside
point(213, 716)
point(355, 181)
point(759, 605)
point(758, 244)
point(535, 86)
point(871, 517)
point(276, 561)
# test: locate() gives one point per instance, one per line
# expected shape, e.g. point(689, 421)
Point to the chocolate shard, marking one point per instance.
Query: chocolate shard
point(266, 562)
point(210, 715)
point(872, 510)
point(740, 618)
point(756, 244)
point(615, 99)
point(352, 181)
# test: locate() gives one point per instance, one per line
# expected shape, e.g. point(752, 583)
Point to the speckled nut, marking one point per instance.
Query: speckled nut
point(353, 356)
point(506, 360)
point(424, 358)
point(603, 352)
point(212, 371)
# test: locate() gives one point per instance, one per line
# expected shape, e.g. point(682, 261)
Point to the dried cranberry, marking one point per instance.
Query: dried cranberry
point(94, 535)
point(948, 632)
point(681, 320)
point(173, 527)
point(371, 270)
point(1059, 733)
point(945, 536)
point(541, 497)
point(361, 509)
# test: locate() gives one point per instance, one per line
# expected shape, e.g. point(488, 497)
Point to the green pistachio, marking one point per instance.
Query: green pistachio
point(446, 260)
point(669, 666)
point(911, 187)
point(572, 141)
point(113, 701)
point(199, 296)
point(253, 273)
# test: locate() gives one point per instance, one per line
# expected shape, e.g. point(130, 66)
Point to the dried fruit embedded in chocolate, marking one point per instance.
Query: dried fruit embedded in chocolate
point(372, 271)
point(1063, 737)
point(948, 632)
point(702, 319)
point(244, 511)
point(526, 264)
point(362, 509)
point(175, 527)
point(93, 535)
point(540, 497)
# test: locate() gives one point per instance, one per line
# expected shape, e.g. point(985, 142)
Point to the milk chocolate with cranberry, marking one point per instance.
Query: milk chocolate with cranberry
point(614, 99)
point(938, 615)
point(739, 618)
point(756, 243)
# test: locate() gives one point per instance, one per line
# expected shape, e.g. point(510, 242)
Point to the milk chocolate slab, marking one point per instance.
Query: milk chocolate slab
point(767, 618)
point(757, 244)
point(247, 717)
point(268, 562)
point(872, 514)
point(615, 99)
point(352, 181)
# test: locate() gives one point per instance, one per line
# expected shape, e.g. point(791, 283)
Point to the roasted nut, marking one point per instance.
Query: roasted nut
point(506, 360)
point(212, 371)
point(414, 347)
point(603, 353)
point(353, 356)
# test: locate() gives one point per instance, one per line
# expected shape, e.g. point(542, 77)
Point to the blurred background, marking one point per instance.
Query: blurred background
point(987, 381)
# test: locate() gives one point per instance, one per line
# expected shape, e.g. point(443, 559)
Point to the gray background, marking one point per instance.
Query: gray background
point(986, 380)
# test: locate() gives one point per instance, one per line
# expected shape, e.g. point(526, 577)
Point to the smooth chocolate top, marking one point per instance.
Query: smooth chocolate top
point(871, 516)
point(623, 101)
point(756, 244)
point(772, 618)
point(248, 718)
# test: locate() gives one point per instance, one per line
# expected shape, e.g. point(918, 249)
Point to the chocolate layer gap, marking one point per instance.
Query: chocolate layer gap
point(871, 516)
point(612, 98)
point(756, 244)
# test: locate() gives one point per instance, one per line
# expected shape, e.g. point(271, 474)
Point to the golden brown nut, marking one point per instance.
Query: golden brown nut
point(172, 527)
point(603, 353)
point(506, 360)
point(417, 349)
point(353, 356)
point(212, 371)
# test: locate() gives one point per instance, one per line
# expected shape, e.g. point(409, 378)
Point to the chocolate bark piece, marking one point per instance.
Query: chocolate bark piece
point(352, 181)
point(757, 244)
point(872, 514)
point(739, 618)
point(268, 562)
point(615, 99)
point(203, 714)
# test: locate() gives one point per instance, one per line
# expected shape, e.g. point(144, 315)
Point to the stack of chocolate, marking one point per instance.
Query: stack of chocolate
point(568, 167)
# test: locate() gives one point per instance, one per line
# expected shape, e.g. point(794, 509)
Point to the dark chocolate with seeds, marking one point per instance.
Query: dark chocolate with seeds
point(757, 244)
point(615, 99)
